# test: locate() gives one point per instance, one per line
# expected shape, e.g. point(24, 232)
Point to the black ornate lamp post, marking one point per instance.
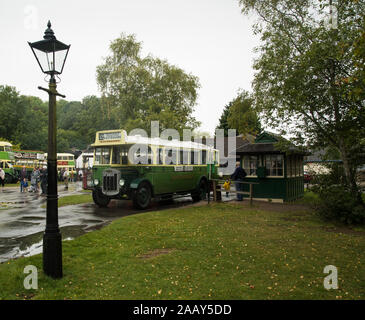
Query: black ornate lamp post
point(51, 55)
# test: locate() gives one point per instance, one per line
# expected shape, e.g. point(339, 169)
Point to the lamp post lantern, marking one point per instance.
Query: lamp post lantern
point(51, 56)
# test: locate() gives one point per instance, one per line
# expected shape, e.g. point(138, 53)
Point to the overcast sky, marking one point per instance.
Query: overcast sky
point(210, 39)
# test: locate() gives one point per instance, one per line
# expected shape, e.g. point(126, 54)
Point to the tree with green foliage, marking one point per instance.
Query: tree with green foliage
point(223, 120)
point(32, 127)
point(23, 120)
point(137, 90)
point(308, 79)
point(240, 114)
point(11, 109)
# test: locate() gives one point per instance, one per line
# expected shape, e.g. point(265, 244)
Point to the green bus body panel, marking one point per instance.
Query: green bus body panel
point(164, 179)
point(136, 182)
point(5, 155)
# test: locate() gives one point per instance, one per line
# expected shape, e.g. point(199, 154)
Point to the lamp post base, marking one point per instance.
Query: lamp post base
point(52, 254)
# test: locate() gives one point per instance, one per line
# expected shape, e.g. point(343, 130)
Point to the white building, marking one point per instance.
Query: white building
point(85, 160)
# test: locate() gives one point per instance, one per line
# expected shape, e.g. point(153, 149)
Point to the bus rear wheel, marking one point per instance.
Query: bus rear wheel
point(99, 199)
point(142, 196)
point(201, 193)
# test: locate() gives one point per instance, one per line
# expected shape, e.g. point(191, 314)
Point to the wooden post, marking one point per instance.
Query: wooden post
point(214, 190)
point(219, 192)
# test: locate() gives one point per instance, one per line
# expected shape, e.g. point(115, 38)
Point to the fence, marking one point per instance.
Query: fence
point(217, 189)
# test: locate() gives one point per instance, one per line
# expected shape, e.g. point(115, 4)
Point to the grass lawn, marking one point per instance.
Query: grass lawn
point(73, 199)
point(216, 251)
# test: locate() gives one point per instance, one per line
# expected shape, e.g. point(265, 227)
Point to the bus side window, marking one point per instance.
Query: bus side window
point(150, 155)
point(171, 156)
point(184, 156)
point(181, 156)
point(124, 155)
point(193, 157)
point(204, 157)
point(116, 155)
point(160, 156)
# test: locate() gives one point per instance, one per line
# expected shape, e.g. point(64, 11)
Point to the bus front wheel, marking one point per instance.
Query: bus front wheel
point(99, 199)
point(142, 196)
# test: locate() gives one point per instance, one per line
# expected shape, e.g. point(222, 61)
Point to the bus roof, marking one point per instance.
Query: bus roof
point(65, 154)
point(118, 137)
point(28, 151)
point(62, 154)
point(5, 144)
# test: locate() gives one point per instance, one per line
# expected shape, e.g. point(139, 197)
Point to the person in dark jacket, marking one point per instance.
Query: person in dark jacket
point(44, 179)
point(238, 175)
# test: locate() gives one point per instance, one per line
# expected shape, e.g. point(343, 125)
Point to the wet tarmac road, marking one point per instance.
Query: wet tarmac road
point(22, 220)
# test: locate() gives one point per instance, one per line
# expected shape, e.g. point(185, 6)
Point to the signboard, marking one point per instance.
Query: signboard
point(183, 168)
point(25, 155)
point(110, 136)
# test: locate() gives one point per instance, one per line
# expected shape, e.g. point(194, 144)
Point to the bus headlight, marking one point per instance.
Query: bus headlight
point(96, 182)
point(121, 182)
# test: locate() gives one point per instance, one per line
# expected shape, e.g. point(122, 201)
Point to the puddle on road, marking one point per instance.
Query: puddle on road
point(12, 248)
point(22, 229)
point(33, 218)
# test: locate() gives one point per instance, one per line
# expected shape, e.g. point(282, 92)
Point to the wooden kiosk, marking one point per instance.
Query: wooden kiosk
point(278, 174)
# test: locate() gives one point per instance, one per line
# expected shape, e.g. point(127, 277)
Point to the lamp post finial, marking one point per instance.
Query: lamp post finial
point(49, 34)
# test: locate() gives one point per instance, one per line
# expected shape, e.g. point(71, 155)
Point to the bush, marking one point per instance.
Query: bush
point(338, 203)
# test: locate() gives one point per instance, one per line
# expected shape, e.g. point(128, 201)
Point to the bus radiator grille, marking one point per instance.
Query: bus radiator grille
point(110, 183)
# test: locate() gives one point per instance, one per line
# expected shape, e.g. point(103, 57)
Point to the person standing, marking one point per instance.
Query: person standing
point(238, 175)
point(65, 178)
point(44, 178)
point(80, 175)
point(33, 181)
point(22, 176)
point(38, 177)
point(2, 177)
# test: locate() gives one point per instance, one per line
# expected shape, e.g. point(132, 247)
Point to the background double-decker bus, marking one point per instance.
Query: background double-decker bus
point(160, 169)
point(65, 161)
point(29, 159)
point(6, 161)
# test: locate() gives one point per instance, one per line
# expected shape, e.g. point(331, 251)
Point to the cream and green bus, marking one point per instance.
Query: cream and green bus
point(141, 169)
point(65, 161)
point(6, 161)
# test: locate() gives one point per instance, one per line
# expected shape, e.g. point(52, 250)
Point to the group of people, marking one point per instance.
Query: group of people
point(38, 178)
